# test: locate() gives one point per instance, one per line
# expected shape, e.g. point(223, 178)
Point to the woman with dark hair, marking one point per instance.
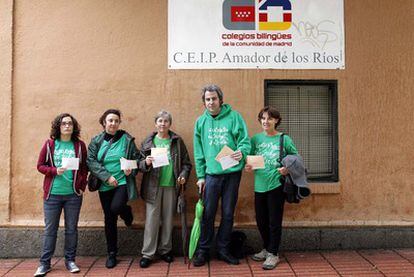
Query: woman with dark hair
point(118, 186)
point(160, 188)
point(268, 191)
point(62, 188)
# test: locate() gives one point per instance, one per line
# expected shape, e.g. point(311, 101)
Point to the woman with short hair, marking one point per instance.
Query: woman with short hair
point(160, 188)
point(118, 186)
point(62, 189)
point(268, 189)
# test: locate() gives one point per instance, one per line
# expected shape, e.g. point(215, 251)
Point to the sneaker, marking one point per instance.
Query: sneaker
point(261, 256)
point(42, 270)
point(271, 261)
point(72, 267)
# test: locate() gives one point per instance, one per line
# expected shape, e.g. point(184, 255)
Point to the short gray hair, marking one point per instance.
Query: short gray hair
point(164, 113)
point(212, 88)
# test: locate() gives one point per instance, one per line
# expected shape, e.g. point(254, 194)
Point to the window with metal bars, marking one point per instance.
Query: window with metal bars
point(309, 116)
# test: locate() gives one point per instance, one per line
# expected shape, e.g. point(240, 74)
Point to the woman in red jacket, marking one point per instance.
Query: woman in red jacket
point(63, 162)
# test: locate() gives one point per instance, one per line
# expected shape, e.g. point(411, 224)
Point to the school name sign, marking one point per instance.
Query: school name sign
point(275, 34)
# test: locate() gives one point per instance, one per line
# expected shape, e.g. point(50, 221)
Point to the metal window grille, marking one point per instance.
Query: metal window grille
point(309, 116)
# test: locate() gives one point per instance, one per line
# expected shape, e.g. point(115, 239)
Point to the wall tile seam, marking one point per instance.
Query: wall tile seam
point(12, 77)
point(9, 37)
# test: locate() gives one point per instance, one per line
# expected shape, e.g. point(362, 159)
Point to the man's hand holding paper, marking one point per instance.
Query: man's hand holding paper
point(225, 157)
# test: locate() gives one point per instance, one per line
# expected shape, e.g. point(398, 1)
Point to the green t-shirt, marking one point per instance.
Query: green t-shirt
point(63, 184)
point(112, 161)
point(268, 146)
point(166, 172)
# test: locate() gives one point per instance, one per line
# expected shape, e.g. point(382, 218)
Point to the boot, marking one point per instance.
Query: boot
point(111, 261)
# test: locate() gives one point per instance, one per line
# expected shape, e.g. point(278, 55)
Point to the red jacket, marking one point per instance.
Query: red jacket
point(46, 166)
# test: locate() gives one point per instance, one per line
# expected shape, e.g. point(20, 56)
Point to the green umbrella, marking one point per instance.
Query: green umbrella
point(196, 230)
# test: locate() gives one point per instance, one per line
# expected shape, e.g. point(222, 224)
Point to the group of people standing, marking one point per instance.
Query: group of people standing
point(217, 127)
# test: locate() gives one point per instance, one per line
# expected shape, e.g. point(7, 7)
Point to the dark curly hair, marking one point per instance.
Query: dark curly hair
point(55, 130)
point(105, 114)
point(272, 112)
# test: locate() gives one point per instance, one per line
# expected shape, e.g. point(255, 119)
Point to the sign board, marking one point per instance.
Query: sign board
point(278, 34)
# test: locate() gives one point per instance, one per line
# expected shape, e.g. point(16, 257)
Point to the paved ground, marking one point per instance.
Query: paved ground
point(396, 262)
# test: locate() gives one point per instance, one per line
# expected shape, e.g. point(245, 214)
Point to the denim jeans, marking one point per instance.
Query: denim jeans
point(71, 205)
point(225, 186)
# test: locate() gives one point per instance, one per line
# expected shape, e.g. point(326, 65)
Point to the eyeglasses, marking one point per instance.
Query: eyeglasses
point(70, 123)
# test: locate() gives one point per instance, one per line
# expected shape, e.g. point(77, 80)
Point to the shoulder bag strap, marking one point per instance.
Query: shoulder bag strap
point(106, 150)
point(281, 149)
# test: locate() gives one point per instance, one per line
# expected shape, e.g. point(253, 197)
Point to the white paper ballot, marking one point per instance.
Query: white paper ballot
point(70, 163)
point(128, 164)
point(158, 150)
point(160, 160)
point(227, 162)
point(257, 162)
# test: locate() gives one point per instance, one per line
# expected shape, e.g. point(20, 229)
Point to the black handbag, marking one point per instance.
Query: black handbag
point(237, 246)
point(94, 183)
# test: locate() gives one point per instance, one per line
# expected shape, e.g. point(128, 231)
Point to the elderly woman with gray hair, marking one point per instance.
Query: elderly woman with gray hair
point(160, 186)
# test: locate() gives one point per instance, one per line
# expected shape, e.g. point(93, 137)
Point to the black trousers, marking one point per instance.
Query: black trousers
point(269, 215)
point(114, 203)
